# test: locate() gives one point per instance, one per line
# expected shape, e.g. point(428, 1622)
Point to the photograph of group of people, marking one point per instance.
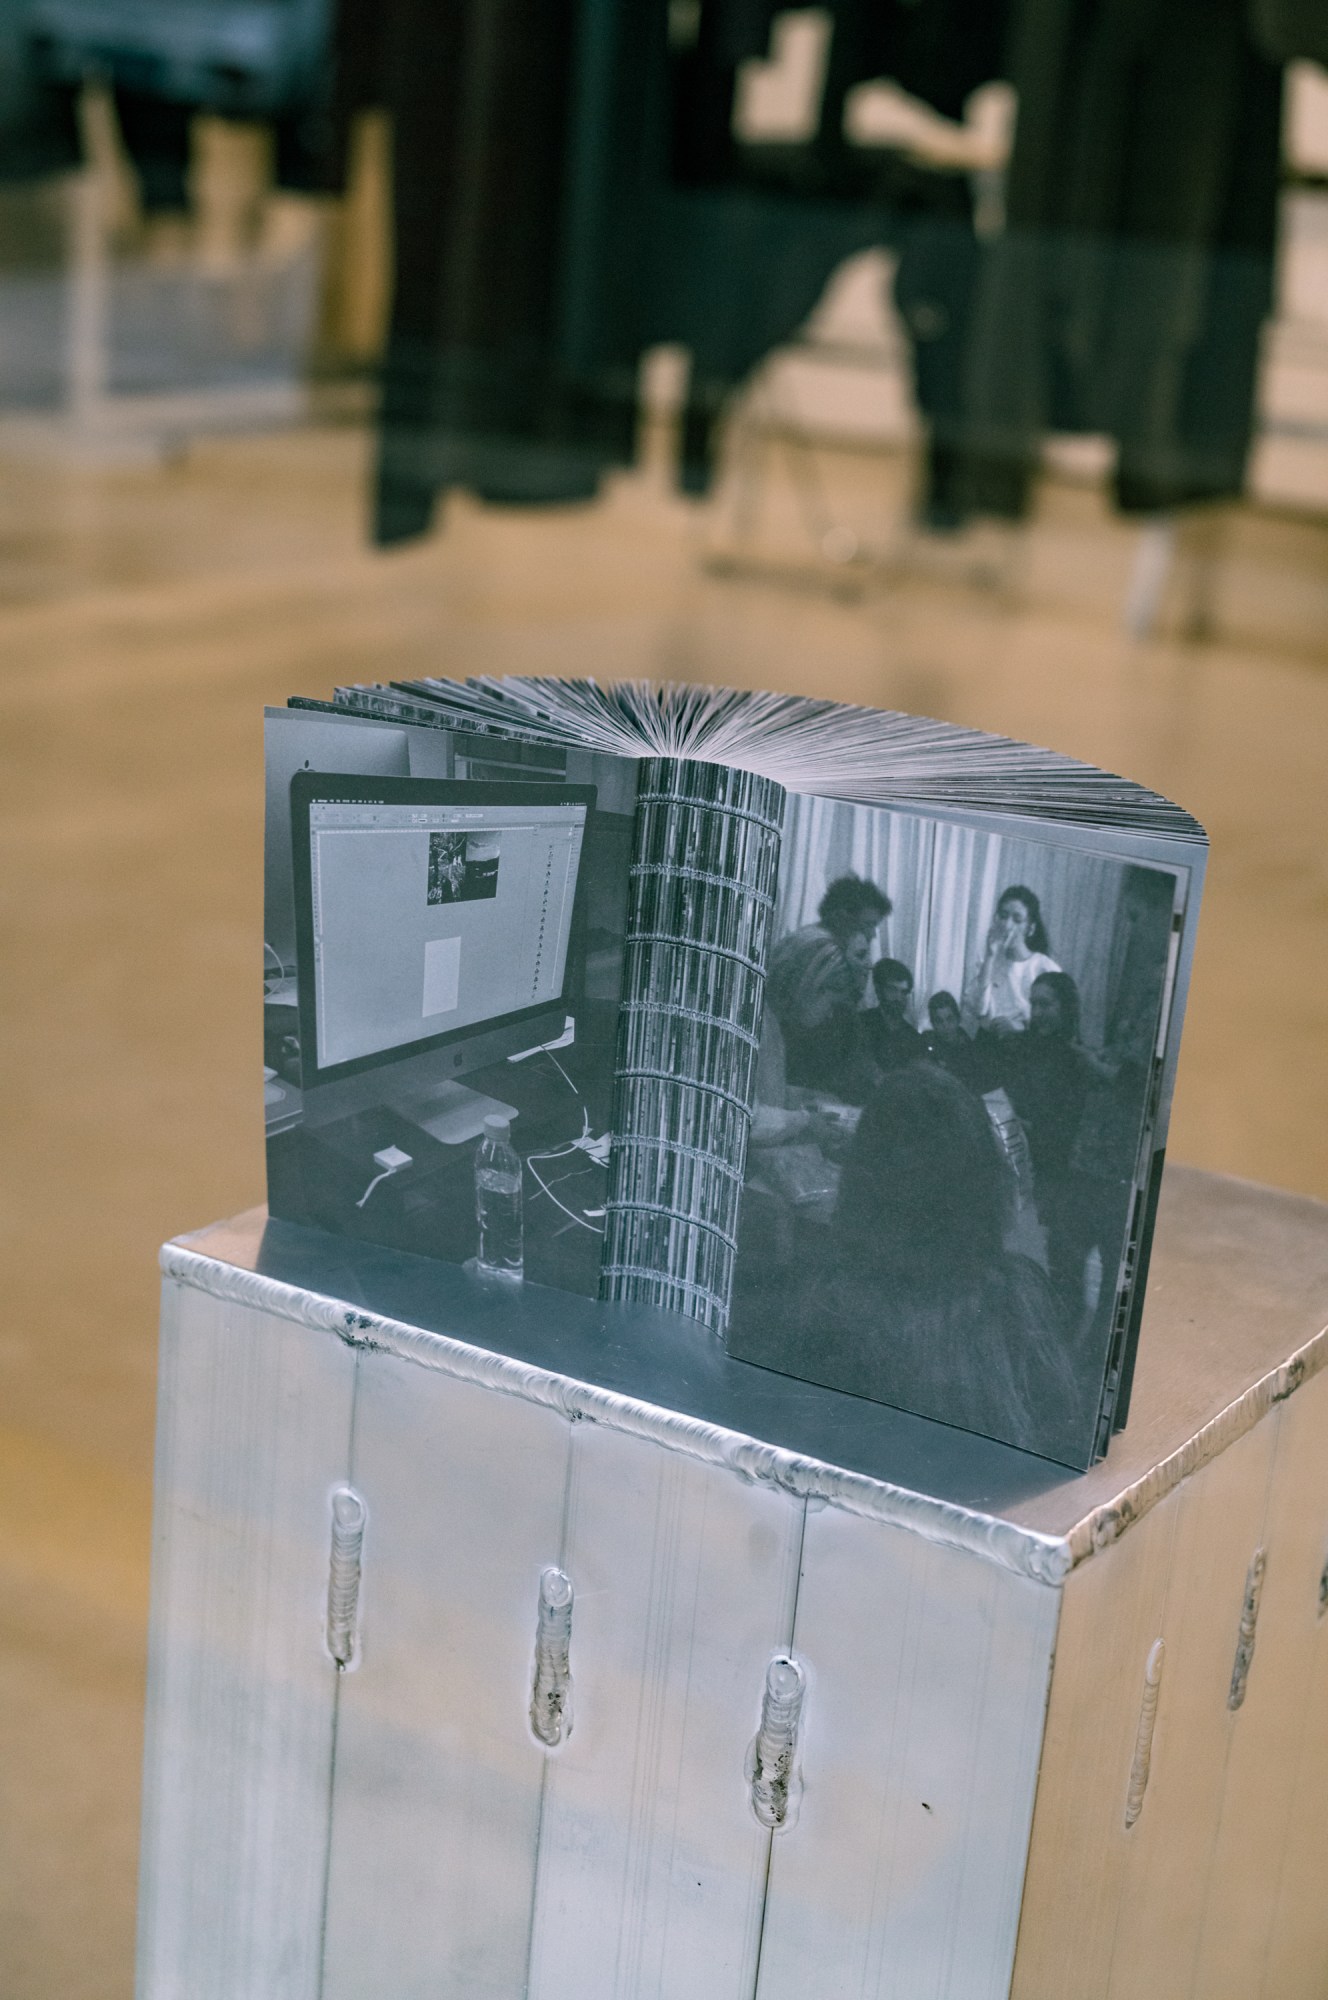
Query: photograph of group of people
point(957, 1052)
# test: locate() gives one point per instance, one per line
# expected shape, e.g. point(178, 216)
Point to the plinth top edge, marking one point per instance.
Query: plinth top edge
point(1045, 1558)
point(1236, 1321)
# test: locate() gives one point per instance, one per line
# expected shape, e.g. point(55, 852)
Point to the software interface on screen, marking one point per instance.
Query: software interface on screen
point(429, 918)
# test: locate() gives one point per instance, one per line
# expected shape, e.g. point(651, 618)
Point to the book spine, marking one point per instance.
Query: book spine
point(700, 907)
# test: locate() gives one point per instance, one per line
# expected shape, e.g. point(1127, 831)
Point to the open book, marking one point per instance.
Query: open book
point(849, 1034)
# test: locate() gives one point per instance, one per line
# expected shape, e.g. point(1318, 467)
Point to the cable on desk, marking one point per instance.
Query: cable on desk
point(586, 1145)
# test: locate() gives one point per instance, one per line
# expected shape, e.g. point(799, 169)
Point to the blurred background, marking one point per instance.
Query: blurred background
point(964, 356)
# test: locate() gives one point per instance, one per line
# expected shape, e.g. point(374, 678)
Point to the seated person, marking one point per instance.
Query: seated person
point(914, 1300)
point(816, 985)
point(792, 1174)
point(890, 1038)
point(777, 1118)
point(947, 1043)
point(1047, 1075)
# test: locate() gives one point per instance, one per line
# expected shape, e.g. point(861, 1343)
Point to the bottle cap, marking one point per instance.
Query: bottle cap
point(497, 1126)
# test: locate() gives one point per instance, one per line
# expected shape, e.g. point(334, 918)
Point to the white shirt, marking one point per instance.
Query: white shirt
point(1001, 986)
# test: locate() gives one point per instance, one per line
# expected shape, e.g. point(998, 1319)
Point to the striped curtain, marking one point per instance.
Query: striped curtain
point(944, 881)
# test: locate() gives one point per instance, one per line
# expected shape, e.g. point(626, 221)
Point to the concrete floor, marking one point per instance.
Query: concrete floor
point(147, 614)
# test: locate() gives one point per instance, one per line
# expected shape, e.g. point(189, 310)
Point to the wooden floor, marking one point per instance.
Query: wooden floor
point(146, 615)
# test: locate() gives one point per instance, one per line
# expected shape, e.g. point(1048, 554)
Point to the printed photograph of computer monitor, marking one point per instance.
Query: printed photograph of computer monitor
point(444, 922)
point(436, 934)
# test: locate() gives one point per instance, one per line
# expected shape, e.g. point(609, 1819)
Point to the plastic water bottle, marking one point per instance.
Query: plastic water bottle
point(498, 1203)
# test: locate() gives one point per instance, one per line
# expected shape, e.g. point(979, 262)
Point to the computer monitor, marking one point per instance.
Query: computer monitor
point(435, 933)
point(296, 740)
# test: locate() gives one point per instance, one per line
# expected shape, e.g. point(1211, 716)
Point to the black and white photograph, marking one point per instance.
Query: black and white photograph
point(463, 867)
point(443, 967)
point(960, 1035)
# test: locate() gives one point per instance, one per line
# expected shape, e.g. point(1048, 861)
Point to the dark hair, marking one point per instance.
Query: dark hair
point(924, 1191)
point(944, 999)
point(1037, 930)
point(1067, 997)
point(849, 894)
point(890, 972)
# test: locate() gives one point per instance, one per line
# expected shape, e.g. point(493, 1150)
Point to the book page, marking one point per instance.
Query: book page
point(958, 1055)
point(443, 943)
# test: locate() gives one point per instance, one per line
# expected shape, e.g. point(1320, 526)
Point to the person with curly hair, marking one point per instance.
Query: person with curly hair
point(816, 985)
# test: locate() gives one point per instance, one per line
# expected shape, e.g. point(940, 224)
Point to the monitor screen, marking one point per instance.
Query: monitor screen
point(427, 909)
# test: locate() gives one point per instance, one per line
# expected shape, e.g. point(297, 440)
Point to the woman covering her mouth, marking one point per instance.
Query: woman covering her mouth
point(998, 997)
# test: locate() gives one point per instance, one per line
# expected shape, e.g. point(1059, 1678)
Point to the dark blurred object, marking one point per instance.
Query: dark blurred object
point(38, 126)
point(569, 191)
point(1129, 291)
point(1290, 30)
point(706, 52)
point(165, 60)
point(839, 198)
point(155, 133)
point(250, 60)
point(476, 389)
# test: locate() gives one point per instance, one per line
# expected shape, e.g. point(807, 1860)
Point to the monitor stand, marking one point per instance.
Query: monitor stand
point(452, 1113)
